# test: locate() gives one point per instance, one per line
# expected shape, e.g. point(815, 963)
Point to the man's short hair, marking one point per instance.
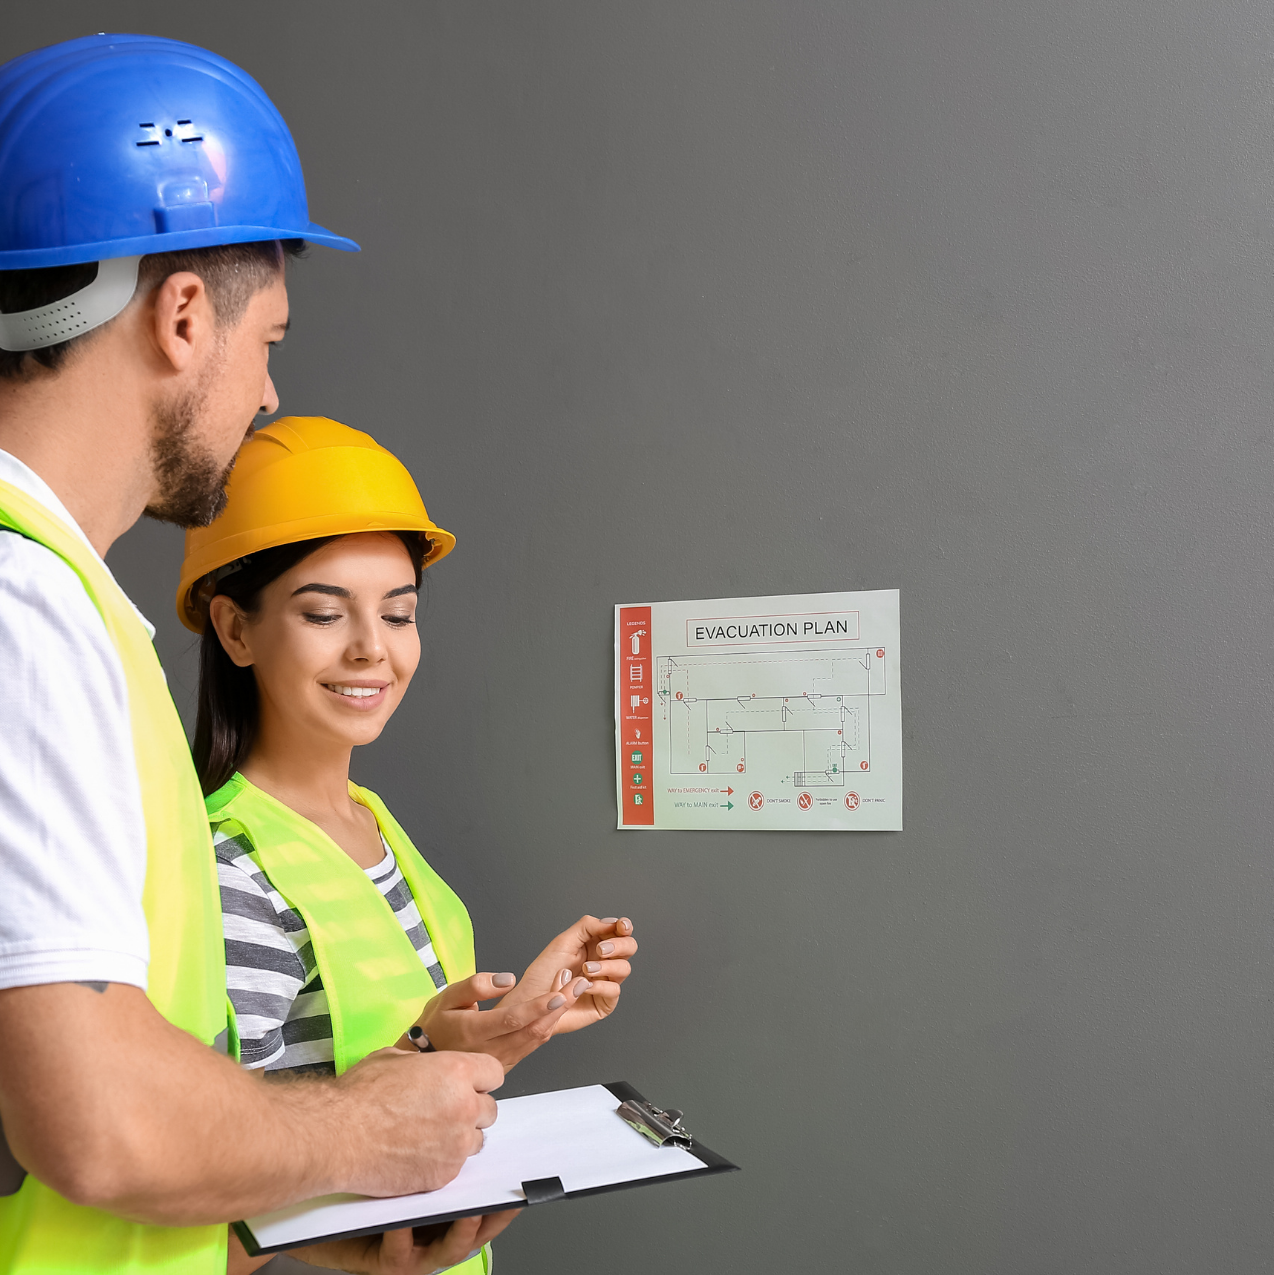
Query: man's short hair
point(232, 273)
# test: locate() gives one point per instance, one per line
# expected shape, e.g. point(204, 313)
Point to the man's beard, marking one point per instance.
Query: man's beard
point(191, 483)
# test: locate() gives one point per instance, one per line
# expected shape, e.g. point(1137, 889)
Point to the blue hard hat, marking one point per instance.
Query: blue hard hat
point(121, 145)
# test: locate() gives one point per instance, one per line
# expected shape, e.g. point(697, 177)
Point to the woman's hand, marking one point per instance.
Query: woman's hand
point(406, 1252)
point(591, 949)
point(509, 1031)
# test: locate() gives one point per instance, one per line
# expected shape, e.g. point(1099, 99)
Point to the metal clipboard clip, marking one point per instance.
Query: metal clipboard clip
point(663, 1128)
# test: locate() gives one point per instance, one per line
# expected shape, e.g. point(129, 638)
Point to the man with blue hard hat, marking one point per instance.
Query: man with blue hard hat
point(149, 194)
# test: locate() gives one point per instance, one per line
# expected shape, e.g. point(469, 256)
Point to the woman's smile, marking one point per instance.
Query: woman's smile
point(362, 696)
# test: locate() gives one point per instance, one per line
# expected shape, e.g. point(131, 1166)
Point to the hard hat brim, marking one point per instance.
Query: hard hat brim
point(176, 241)
point(194, 570)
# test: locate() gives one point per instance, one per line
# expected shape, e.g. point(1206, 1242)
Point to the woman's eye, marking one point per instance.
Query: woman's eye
point(399, 621)
point(320, 617)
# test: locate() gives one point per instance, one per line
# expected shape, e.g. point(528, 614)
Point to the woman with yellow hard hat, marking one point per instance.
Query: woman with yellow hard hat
point(339, 936)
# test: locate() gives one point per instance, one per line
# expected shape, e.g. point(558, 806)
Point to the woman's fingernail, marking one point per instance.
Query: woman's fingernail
point(557, 1002)
point(605, 949)
point(592, 967)
point(503, 980)
point(582, 985)
point(563, 978)
point(625, 923)
point(609, 920)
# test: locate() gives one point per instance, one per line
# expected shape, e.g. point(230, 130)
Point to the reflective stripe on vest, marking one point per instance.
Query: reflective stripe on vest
point(40, 1231)
point(375, 981)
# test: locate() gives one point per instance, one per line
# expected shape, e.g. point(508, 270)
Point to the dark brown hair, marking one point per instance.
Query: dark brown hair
point(232, 273)
point(228, 712)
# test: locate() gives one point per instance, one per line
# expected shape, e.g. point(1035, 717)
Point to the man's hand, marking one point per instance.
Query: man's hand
point(406, 1252)
point(423, 1113)
point(592, 949)
point(453, 1021)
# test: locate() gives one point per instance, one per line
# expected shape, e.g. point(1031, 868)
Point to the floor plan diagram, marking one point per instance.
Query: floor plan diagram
point(760, 713)
point(817, 704)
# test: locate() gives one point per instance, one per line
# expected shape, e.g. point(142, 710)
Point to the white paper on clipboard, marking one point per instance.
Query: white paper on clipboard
point(571, 1134)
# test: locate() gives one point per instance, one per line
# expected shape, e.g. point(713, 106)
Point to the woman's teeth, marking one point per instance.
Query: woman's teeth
point(356, 692)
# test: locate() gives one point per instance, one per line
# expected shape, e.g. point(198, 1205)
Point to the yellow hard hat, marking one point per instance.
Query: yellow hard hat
point(298, 478)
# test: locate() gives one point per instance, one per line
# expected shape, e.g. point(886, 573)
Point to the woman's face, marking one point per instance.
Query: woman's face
point(334, 641)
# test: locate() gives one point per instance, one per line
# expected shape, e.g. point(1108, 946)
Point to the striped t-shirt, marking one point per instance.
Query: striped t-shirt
point(271, 973)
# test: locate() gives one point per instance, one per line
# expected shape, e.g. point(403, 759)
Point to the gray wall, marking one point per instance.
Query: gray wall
point(976, 299)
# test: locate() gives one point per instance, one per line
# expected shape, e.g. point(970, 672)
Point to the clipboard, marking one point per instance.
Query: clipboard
point(560, 1145)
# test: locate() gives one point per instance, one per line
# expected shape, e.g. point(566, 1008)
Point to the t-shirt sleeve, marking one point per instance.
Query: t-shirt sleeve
point(264, 971)
point(72, 832)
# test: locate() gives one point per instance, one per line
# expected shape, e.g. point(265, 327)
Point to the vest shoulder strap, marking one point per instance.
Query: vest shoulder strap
point(186, 973)
point(445, 916)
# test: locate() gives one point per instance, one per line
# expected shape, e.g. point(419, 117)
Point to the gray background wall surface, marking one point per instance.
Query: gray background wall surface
point(694, 299)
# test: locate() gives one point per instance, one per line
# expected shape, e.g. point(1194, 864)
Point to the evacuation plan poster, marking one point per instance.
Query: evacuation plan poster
point(760, 713)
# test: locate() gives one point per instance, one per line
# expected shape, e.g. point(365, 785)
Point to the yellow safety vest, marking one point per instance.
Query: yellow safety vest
point(375, 982)
point(40, 1231)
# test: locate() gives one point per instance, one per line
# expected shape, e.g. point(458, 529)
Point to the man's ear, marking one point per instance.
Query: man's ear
point(182, 319)
point(228, 621)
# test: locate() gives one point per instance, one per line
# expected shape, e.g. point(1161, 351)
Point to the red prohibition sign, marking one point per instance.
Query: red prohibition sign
point(756, 800)
point(851, 801)
point(862, 765)
point(805, 801)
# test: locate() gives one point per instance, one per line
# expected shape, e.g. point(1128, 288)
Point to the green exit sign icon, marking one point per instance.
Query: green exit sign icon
point(636, 758)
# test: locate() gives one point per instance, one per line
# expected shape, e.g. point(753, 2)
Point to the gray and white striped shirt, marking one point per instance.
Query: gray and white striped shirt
point(271, 974)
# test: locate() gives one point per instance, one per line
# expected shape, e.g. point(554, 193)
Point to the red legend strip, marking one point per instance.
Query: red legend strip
point(636, 678)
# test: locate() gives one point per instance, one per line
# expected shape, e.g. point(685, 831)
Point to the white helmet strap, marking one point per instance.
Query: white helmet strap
point(82, 311)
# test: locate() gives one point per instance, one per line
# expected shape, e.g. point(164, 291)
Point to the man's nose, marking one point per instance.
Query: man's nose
point(269, 398)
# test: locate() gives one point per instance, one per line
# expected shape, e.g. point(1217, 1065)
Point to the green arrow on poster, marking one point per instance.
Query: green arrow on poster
point(727, 805)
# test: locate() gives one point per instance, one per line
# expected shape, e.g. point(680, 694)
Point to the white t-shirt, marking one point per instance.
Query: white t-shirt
point(72, 833)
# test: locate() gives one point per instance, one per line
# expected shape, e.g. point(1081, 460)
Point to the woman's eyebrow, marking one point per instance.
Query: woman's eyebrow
point(333, 590)
point(397, 593)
